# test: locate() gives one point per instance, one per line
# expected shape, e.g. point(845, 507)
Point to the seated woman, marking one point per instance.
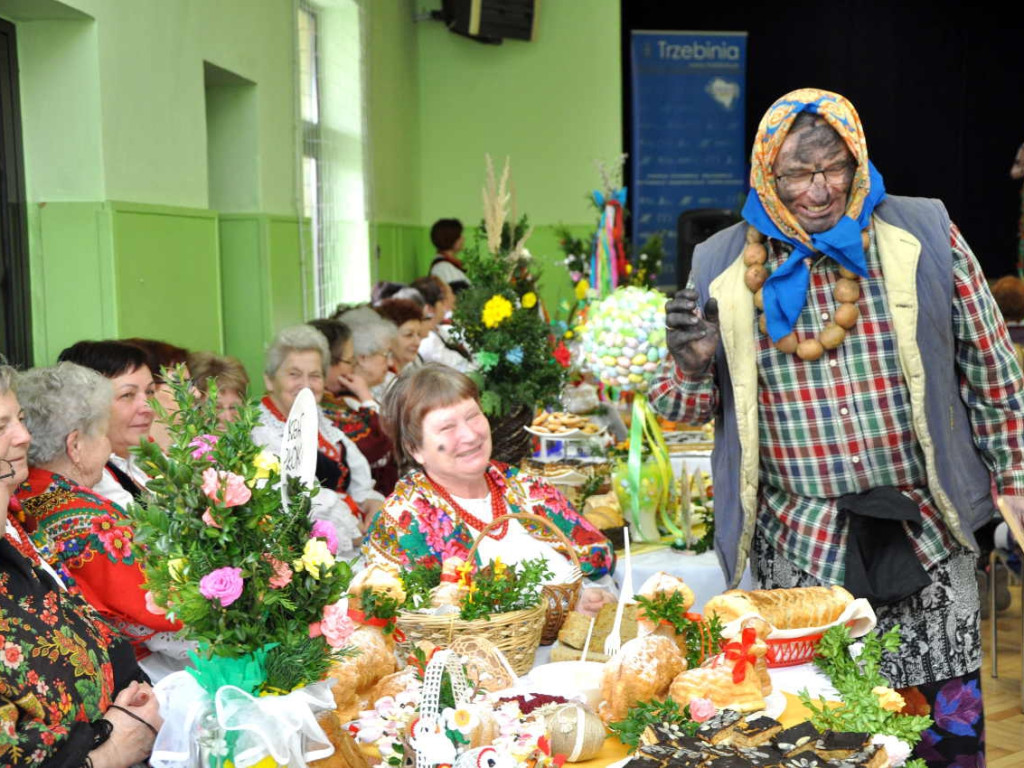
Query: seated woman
point(433, 414)
point(161, 356)
point(296, 359)
point(66, 410)
point(436, 347)
point(131, 416)
point(349, 405)
point(90, 702)
point(228, 374)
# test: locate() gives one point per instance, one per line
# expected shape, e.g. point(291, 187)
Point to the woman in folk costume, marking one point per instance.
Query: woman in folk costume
point(865, 396)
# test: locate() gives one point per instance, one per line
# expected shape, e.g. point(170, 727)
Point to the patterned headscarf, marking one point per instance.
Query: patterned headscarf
point(785, 291)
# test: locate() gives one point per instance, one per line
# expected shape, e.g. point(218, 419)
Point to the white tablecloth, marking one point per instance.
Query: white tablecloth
point(692, 460)
point(701, 572)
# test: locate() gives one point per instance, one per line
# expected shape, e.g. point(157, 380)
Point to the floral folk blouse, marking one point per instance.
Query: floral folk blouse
point(362, 426)
point(416, 525)
point(61, 667)
point(93, 539)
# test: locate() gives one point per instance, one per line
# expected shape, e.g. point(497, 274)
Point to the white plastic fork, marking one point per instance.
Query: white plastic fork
point(613, 642)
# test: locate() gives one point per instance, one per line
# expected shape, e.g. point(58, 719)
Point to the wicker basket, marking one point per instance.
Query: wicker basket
point(510, 443)
point(560, 598)
point(516, 633)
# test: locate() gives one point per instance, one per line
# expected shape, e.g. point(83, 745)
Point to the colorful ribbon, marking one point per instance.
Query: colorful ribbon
point(740, 654)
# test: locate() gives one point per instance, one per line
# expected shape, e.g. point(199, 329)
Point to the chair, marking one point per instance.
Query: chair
point(694, 227)
point(1000, 553)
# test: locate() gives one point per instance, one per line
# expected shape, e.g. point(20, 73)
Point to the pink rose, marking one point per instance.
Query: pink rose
point(209, 519)
point(225, 487)
point(203, 445)
point(324, 530)
point(153, 606)
point(701, 710)
point(223, 584)
point(336, 626)
point(282, 574)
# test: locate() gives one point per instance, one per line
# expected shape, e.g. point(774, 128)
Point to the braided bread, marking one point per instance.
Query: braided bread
point(794, 608)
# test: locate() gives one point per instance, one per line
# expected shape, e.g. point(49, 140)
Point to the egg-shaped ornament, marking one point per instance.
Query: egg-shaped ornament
point(635, 318)
point(576, 732)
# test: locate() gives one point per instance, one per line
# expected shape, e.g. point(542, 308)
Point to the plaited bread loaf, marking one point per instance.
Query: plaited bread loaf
point(783, 608)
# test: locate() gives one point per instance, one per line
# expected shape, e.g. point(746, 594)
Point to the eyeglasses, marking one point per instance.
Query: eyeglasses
point(345, 360)
point(797, 183)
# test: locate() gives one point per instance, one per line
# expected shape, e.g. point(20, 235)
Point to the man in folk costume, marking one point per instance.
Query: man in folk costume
point(865, 394)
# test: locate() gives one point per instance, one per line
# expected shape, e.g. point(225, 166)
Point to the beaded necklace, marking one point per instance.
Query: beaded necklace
point(498, 507)
point(19, 540)
point(846, 293)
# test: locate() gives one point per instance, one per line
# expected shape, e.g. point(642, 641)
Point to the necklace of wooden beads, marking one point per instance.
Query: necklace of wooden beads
point(846, 293)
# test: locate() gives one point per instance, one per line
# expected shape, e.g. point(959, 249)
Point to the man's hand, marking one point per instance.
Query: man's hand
point(691, 335)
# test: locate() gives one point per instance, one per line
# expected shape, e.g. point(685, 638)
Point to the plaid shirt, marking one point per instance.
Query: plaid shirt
point(842, 424)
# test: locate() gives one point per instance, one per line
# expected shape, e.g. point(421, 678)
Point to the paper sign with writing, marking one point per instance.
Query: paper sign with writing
point(298, 447)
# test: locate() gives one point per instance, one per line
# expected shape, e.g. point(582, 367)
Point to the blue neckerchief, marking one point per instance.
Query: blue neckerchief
point(785, 290)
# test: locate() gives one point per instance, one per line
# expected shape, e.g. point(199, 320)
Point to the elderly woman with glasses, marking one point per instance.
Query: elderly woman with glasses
point(89, 703)
point(436, 512)
point(350, 406)
point(66, 410)
point(299, 358)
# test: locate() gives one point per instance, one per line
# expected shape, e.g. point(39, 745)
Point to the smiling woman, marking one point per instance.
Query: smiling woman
point(436, 511)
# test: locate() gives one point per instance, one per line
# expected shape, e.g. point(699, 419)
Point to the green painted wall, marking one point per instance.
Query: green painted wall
point(440, 102)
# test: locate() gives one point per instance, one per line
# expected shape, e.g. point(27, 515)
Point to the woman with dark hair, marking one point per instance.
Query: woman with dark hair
point(349, 405)
point(436, 346)
point(433, 415)
point(71, 692)
point(407, 317)
point(131, 417)
point(161, 356)
point(446, 235)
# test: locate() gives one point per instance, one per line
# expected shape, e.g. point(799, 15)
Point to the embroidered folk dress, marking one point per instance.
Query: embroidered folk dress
point(418, 526)
point(361, 424)
point(93, 539)
point(61, 667)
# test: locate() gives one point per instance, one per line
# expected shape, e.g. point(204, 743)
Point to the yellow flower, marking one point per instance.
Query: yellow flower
point(315, 557)
point(582, 288)
point(176, 568)
point(499, 568)
point(629, 268)
point(496, 310)
point(265, 463)
point(888, 699)
point(529, 300)
point(569, 334)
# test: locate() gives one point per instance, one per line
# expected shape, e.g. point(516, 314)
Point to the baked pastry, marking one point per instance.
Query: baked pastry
point(794, 608)
point(574, 630)
point(357, 675)
point(719, 727)
point(801, 737)
point(835, 744)
point(760, 730)
point(727, 687)
point(642, 670)
point(379, 579)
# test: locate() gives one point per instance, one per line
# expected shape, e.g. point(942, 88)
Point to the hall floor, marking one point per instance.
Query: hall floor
point(1004, 721)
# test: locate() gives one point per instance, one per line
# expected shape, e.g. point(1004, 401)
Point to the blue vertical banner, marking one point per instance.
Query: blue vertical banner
point(689, 97)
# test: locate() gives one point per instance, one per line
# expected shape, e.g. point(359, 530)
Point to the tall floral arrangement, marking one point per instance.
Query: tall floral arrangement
point(250, 577)
point(518, 361)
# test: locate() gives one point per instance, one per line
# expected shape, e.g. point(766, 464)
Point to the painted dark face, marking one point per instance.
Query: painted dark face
point(813, 173)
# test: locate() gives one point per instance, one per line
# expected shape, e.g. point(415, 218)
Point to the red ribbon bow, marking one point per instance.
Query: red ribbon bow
point(741, 655)
point(371, 621)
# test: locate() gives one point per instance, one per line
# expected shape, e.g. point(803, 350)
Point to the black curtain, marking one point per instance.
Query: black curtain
point(939, 88)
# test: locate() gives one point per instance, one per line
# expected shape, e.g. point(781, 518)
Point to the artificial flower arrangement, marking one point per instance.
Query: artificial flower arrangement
point(251, 578)
point(518, 364)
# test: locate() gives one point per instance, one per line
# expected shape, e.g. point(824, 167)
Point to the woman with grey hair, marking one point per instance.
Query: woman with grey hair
point(67, 410)
point(372, 338)
point(298, 358)
point(90, 703)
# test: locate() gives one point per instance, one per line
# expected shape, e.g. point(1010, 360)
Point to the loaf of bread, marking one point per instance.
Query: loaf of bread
point(794, 608)
point(574, 631)
point(663, 583)
point(642, 670)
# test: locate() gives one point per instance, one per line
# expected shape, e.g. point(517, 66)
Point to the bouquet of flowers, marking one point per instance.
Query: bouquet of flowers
point(498, 318)
point(249, 576)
